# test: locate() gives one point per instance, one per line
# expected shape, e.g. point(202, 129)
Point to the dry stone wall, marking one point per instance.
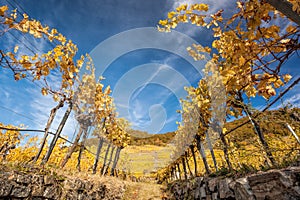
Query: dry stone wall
point(16, 185)
point(272, 185)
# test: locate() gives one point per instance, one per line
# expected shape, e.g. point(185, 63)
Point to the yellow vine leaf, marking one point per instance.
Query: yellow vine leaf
point(16, 49)
point(3, 9)
point(287, 78)
point(44, 91)
point(17, 76)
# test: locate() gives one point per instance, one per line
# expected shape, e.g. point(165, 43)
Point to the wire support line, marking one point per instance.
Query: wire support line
point(22, 8)
point(42, 131)
point(268, 106)
point(22, 115)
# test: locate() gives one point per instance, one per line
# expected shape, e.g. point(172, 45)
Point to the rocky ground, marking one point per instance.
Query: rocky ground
point(281, 184)
point(42, 184)
point(274, 184)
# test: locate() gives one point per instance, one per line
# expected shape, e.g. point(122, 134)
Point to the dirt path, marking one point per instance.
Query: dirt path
point(144, 191)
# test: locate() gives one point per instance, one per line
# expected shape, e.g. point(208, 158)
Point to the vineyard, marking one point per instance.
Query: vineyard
point(221, 132)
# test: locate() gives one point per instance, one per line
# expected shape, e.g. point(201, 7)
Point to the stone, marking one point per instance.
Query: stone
point(23, 179)
point(273, 185)
point(197, 187)
point(271, 189)
point(263, 178)
point(52, 192)
point(12, 177)
point(37, 185)
point(83, 196)
point(203, 192)
point(212, 184)
point(208, 197)
point(5, 189)
point(88, 185)
point(37, 198)
point(224, 190)
point(197, 193)
point(49, 180)
point(297, 190)
point(37, 179)
point(70, 194)
point(242, 190)
point(37, 190)
point(75, 184)
point(199, 180)
point(214, 196)
point(20, 191)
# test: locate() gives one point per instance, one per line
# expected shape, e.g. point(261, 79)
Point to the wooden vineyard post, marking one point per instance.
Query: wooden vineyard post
point(100, 145)
point(85, 122)
point(81, 149)
point(202, 153)
point(48, 125)
point(187, 164)
point(109, 160)
point(225, 150)
point(184, 167)
point(211, 149)
point(179, 171)
point(117, 156)
point(192, 147)
point(57, 134)
point(105, 158)
point(260, 135)
point(293, 132)
point(72, 148)
point(172, 174)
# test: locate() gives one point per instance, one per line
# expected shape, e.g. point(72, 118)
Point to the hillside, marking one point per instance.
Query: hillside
point(157, 139)
point(244, 147)
point(273, 123)
point(145, 150)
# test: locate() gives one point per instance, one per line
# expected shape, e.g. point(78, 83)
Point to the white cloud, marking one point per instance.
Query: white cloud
point(293, 100)
point(40, 108)
point(292, 97)
point(145, 110)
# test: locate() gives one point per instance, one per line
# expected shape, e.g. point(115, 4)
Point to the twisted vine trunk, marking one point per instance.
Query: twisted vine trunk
point(184, 167)
point(116, 159)
point(105, 158)
point(82, 147)
point(72, 148)
point(260, 135)
point(48, 126)
point(5, 148)
point(187, 164)
point(192, 147)
point(109, 161)
point(173, 176)
point(225, 150)
point(100, 145)
point(211, 149)
point(202, 153)
point(179, 171)
point(240, 103)
point(57, 134)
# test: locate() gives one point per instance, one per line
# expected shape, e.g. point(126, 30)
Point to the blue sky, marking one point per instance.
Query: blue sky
point(146, 69)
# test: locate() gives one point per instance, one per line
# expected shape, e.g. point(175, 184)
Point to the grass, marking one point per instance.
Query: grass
point(143, 191)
